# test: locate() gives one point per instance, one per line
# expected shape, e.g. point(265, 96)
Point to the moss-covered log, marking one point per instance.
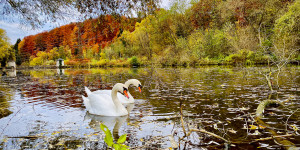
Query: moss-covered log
point(262, 105)
point(259, 111)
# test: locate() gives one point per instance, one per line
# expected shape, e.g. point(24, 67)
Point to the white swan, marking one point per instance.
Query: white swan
point(105, 105)
point(121, 97)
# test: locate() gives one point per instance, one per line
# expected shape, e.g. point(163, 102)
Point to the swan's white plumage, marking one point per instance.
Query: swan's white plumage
point(88, 91)
point(104, 104)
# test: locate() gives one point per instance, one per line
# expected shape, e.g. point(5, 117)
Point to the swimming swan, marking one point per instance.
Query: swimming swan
point(121, 97)
point(106, 105)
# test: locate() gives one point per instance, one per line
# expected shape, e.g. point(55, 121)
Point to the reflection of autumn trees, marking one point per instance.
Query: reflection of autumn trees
point(5, 97)
point(61, 91)
point(65, 90)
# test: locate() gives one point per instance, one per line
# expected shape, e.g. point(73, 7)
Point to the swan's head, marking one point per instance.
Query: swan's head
point(135, 83)
point(122, 89)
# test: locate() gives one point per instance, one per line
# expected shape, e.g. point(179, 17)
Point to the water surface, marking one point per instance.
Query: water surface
point(48, 113)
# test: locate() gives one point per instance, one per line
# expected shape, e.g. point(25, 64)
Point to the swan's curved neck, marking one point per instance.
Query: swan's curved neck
point(127, 83)
point(115, 99)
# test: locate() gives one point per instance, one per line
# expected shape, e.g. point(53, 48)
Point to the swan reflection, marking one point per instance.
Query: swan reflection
point(114, 123)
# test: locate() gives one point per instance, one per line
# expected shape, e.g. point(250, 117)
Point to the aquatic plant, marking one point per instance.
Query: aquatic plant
point(110, 141)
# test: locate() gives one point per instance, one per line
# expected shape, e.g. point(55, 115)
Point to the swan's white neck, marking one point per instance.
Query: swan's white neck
point(131, 81)
point(118, 105)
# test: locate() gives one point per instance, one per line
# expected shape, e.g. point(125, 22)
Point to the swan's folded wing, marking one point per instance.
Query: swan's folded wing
point(108, 92)
point(87, 90)
point(101, 104)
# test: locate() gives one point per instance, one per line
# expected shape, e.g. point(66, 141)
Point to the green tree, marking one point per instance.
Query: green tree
point(287, 33)
point(17, 53)
point(6, 51)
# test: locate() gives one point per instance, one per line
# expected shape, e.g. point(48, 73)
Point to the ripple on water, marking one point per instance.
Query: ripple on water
point(49, 106)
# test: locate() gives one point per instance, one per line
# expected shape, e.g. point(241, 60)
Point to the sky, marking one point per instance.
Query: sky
point(15, 30)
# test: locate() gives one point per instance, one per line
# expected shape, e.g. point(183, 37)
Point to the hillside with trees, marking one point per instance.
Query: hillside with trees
point(201, 32)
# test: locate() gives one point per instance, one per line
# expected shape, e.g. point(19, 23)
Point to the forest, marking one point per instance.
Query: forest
point(188, 34)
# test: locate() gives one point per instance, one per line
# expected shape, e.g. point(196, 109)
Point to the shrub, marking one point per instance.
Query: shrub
point(134, 61)
point(36, 61)
point(243, 56)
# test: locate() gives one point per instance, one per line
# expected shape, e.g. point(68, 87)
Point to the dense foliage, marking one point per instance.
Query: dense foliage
point(37, 12)
point(6, 51)
point(202, 32)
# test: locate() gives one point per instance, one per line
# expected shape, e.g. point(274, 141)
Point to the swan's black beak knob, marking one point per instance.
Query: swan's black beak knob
point(140, 88)
point(125, 93)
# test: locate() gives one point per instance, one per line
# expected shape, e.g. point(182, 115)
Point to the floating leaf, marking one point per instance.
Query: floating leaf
point(256, 132)
point(262, 127)
point(215, 126)
point(294, 127)
point(232, 131)
point(142, 140)
point(253, 127)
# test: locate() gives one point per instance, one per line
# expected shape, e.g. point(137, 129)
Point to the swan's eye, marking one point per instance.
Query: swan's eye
point(140, 86)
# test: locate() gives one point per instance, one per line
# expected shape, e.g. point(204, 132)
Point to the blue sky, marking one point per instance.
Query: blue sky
point(15, 30)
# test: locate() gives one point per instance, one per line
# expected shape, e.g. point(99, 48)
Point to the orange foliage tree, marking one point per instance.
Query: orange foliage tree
point(90, 35)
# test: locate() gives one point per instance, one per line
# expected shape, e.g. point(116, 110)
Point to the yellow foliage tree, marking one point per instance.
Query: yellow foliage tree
point(6, 52)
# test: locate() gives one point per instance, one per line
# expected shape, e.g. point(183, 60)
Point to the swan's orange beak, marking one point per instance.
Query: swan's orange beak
point(126, 94)
point(140, 88)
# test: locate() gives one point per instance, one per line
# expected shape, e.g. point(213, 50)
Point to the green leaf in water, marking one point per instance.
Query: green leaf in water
point(122, 139)
point(108, 137)
point(117, 146)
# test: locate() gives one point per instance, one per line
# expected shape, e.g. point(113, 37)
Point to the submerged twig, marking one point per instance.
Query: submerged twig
point(25, 137)
point(191, 130)
point(272, 138)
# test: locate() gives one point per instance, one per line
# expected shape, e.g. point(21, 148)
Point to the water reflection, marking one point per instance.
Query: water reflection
point(112, 122)
point(60, 71)
point(217, 98)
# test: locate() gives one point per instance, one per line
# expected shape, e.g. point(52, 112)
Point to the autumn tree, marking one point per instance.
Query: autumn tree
point(205, 14)
point(6, 51)
point(30, 12)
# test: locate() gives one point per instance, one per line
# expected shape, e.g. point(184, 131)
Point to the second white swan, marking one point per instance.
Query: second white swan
point(121, 97)
point(106, 105)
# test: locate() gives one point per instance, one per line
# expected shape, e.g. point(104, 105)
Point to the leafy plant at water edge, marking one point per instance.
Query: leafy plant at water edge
point(110, 141)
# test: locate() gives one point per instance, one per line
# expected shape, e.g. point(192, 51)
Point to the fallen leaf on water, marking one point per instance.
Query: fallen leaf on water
point(232, 131)
point(256, 132)
point(294, 127)
point(262, 127)
point(253, 127)
point(215, 126)
point(243, 108)
point(142, 140)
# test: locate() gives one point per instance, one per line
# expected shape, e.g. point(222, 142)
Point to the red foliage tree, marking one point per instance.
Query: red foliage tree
point(78, 36)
